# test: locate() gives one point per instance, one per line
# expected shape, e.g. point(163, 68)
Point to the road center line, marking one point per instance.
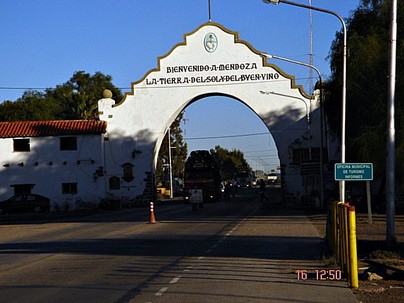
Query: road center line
point(188, 268)
point(161, 291)
point(175, 280)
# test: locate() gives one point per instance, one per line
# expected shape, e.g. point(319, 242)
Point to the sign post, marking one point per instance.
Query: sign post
point(356, 172)
point(353, 172)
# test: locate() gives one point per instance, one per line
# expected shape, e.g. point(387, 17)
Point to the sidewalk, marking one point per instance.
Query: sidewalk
point(291, 245)
point(269, 256)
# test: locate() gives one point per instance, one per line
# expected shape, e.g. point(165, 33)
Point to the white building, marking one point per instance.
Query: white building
point(62, 160)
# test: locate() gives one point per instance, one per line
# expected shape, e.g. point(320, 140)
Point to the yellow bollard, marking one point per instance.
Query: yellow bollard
point(346, 239)
point(334, 229)
point(333, 241)
point(337, 235)
point(340, 230)
point(353, 258)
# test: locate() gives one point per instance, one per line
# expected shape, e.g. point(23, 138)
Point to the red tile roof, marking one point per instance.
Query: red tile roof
point(51, 128)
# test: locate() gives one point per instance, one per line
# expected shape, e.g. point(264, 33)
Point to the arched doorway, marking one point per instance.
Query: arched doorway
point(228, 128)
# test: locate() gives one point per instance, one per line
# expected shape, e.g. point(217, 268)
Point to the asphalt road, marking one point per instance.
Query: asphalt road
point(234, 251)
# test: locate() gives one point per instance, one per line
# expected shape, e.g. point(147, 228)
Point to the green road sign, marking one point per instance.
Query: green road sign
point(353, 171)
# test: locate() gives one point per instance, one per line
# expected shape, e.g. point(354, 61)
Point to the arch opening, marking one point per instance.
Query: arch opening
point(215, 121)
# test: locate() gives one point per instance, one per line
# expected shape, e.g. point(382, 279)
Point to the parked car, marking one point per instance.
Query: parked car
point(25, 203)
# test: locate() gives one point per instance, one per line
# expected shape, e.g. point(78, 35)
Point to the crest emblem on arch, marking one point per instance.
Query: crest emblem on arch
point(210, 42)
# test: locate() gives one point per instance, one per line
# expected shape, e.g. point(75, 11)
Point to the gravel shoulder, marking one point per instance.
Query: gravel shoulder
point(381, 268)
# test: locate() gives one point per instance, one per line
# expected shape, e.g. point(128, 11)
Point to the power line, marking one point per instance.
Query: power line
point(22, 88)
point(228, 136)
point(265, 151)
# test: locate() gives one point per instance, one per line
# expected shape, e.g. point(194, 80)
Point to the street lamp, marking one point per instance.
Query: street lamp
point(342, 183)
point(270, 56)
point(321, 116)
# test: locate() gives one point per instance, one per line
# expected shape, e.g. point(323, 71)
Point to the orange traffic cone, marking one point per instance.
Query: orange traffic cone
point(152, 218)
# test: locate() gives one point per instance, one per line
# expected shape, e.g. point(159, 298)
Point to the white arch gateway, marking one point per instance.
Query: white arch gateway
point(211, 60)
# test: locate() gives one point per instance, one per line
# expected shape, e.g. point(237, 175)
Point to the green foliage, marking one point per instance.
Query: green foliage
point(32, 105)
point(75, 99)
point(230, 162)
point(367, 82)
point(79, 96)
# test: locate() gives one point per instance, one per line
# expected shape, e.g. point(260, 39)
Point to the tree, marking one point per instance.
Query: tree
point(367, 71)
point(75, 99)
point(79, 96)
point(230, 162)
point(32, 105)
point(179, 152)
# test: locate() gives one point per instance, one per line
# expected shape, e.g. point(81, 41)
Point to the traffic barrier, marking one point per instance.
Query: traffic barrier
point(341, 237)
point(152, 218)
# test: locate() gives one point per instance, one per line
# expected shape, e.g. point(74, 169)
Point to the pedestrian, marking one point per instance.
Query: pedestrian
point(262, 191)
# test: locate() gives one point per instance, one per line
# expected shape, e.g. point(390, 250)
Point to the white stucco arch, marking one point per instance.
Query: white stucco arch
point(211, 60)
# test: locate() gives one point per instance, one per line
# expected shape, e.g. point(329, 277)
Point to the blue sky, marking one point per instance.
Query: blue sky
point(45, 41)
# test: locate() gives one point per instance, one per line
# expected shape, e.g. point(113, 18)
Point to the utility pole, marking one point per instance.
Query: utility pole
point(311, 50)
point(170, 163)
point(209, 11)
point(391, 161)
